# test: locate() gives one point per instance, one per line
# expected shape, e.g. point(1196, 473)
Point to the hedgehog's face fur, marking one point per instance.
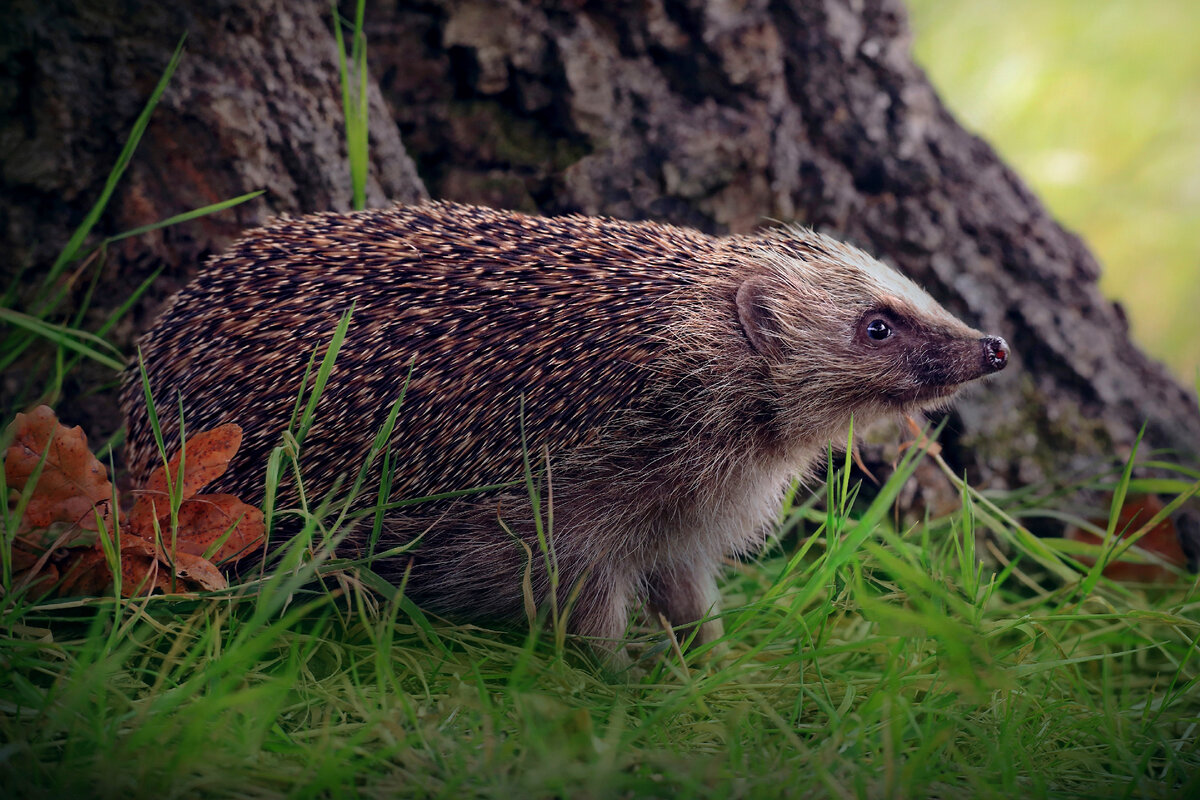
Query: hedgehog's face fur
point(850, 335)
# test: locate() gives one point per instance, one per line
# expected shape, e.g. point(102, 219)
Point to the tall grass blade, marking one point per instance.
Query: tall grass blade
point(354, 100)
point(67, 338)
point(323, 373)
point(186, 216)
point(74, 244)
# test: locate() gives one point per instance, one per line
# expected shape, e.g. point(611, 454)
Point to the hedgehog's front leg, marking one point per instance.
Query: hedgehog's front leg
point(599, 610)
point(686, 593)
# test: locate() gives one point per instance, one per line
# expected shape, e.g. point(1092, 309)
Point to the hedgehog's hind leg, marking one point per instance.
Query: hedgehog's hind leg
point(686, 593)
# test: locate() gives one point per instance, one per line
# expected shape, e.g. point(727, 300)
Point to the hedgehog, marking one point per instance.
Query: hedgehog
point(666, 386)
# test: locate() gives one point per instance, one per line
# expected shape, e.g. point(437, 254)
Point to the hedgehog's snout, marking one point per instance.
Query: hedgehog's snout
point(995, 353)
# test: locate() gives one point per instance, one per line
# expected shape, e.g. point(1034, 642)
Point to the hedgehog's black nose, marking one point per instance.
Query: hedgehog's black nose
point(995, 353)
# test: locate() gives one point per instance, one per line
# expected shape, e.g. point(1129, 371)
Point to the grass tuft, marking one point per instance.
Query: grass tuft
point(355, 104)
point(860, 660)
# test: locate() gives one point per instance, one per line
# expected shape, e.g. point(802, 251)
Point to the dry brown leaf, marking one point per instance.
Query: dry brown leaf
point(1162, 540)
point(40, 585)
point(145, 567)
point(140, 573)
point(202, 518)
point(199, 573)
point(30, 569)
point(24, 556)
point(206, 517)
point(86, 574)
point(72, 483)
point(207, 458)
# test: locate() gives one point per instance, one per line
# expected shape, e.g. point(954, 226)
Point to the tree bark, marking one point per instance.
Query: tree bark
point(255, 104)
point(705, 113)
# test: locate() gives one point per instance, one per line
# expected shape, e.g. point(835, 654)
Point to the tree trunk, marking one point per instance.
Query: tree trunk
point(703, 113)
point(255, 104)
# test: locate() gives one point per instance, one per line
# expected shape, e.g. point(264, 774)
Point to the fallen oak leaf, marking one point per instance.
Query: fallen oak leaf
point(1162, 540)
point(145, 567)
point(30, 568)
point(24, 556)
point(202, 519)
point(73, 484)
point(41, 553)
point(205, 518)
point(206, 457)
point(40, 584)
point(86, 574)
point(140, 573)
point(199, 573)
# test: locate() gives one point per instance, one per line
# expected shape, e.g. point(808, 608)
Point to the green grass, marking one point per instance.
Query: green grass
point(1097, 106)
point(355, 105)
point(860, 661)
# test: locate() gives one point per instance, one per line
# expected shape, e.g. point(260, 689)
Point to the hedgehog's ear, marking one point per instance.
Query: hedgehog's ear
point(758, 321)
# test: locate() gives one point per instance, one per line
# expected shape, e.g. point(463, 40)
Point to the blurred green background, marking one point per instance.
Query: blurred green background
point(1096, 103)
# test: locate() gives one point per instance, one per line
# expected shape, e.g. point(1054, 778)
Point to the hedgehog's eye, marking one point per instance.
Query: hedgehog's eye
point(878, 330)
